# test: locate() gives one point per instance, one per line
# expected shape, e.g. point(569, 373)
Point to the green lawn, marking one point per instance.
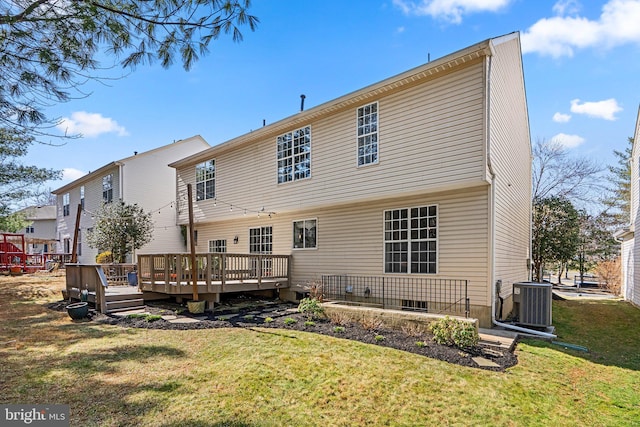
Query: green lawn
point(117, 377)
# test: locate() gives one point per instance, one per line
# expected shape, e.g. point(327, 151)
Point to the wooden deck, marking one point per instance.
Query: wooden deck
point(217, 273)
point(169, 275)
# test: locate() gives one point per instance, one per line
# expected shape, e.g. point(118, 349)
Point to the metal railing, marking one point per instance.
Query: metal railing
point(441, 296)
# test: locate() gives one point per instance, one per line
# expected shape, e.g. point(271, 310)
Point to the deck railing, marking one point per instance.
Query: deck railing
point(212, 267)
point(118, 274)
point(441, 296)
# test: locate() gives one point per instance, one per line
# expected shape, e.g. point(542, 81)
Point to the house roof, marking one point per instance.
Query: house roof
point(401, 81)
point(110, 165)
point(33, 213)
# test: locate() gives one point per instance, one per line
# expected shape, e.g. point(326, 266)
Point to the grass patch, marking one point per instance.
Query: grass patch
point(112, 376)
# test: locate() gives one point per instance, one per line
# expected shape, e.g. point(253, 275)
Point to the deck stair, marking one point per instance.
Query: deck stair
point(124, 302)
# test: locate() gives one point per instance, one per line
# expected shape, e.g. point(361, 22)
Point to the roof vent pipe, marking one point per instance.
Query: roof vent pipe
point(302, 97)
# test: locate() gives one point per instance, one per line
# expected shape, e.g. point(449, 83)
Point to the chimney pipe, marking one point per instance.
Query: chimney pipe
point(302, 97)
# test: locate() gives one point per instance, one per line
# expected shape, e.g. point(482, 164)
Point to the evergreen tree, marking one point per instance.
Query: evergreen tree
point(618, 202)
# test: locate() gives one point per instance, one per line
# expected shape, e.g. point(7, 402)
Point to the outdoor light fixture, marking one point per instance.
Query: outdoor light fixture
point(235, 240)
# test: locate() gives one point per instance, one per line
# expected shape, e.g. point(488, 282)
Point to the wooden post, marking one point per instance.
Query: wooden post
point(192, 245)
point(74, 251)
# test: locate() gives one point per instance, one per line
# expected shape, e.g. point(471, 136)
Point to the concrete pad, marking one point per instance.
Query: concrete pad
point(226, 316)
point(184, 320)
point(169, 317)
point(485, 363)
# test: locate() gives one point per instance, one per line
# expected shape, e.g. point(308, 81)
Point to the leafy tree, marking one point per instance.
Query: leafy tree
point(49, 48)
point(556, 173)
point(18, 181)
point(120, 228)
point(618, 202)
point(596, 242)
point(555, 233)
point(13, 222)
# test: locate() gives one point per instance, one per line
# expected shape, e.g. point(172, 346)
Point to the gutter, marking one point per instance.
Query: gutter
point(492, 221)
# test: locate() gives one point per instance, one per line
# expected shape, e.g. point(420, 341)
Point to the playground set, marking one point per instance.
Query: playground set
point(14, 259)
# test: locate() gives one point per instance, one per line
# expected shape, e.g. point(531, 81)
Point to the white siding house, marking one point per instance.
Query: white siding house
point(144, 179)
point(630, 245)
point(40, 234)
point(426, 174)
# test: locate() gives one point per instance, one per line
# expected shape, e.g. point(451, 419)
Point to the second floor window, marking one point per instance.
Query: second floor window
point(65, 204)
point(206, 180)
point(107, 188)
point(294, 155)
point(30, 230)
point(368, 134)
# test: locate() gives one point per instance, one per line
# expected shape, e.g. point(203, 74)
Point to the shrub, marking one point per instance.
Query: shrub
point(379, 338)
point(412, 329)
point(340, 318)
point(104, 258)
point(371, 323)
point(453, 332)
point(268, 319)
point(290, 321)
point(315, 291)
point(610, 275)
point(421, 344)
point(309, 323)
point(310, 307)
point(338, 329)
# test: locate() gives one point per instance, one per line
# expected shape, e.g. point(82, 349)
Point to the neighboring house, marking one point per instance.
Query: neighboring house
point(143, 179)
point(40, 234)
point(423, 175)
point(631, 246)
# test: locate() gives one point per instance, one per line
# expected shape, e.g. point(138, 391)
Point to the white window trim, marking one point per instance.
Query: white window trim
point(249, 239)
point(214, 179)
point(226, 247)
point(377, 133)
point(292, 241)
point(384, 241)
point(294, 179)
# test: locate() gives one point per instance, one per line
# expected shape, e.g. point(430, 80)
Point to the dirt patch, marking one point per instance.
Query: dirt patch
point(248, 313)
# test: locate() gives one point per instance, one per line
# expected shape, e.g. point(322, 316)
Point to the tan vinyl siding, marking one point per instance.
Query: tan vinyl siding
point(350, 238)
point(510, 155)
point(633, 261)
point(430, 138)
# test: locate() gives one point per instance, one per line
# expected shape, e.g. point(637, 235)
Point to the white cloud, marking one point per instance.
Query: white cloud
point(601, 109)
point(449, 10)
point(561, 35)
point(561, 118)
point(568, 141)
point(71, 174)
point(400, 30)
point(566, 7)
point(90, 125)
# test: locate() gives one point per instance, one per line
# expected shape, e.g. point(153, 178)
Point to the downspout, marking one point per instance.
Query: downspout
point(492, 219)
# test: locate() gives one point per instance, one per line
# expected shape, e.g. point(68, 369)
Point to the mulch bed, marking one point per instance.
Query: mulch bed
point(248, 314)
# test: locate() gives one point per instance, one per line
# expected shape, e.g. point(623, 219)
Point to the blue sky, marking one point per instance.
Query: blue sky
point(581, 65)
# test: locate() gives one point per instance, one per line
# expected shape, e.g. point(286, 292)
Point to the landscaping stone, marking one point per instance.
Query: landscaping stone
point(183, 320)
point(485, 363)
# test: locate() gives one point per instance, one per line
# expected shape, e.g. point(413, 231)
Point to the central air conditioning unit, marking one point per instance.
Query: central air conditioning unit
point(532, 303)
